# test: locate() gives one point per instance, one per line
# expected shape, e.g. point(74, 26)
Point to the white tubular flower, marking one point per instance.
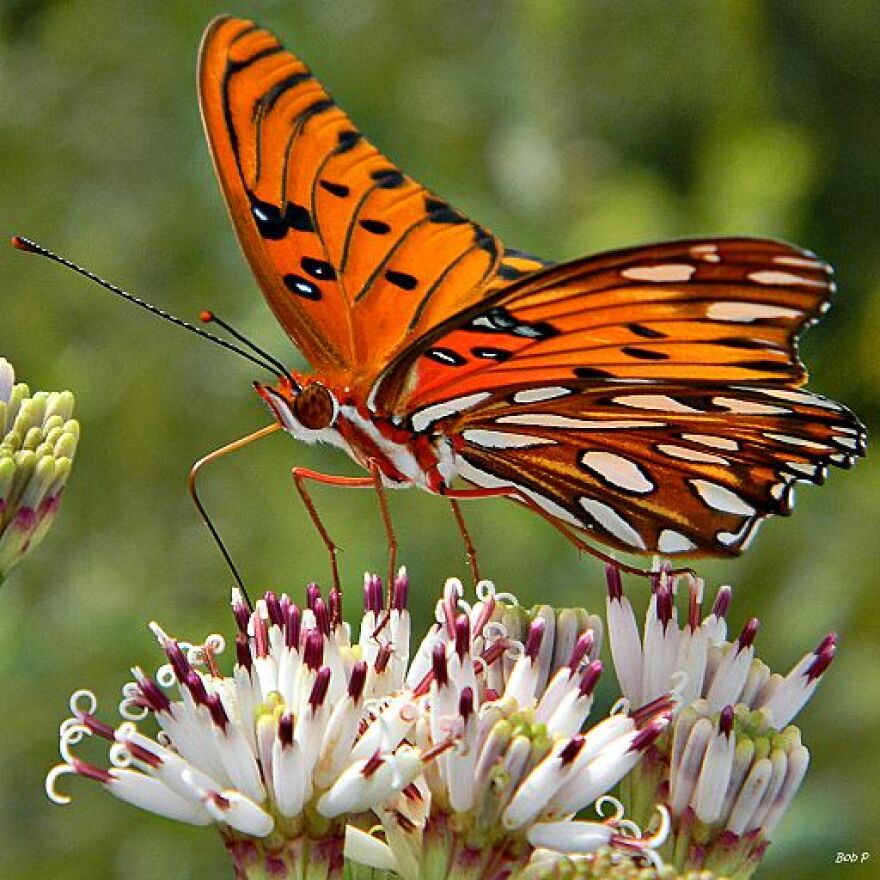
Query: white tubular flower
point(508, 762)
point(274, 753)
point(38, 440)
point(730, 763)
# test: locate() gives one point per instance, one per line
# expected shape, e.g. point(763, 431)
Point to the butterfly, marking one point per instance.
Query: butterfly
point(649, 398)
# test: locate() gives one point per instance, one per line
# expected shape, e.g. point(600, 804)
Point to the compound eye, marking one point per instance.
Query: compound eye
point(315, 407)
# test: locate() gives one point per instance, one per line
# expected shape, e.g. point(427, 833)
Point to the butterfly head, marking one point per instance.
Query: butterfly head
point(304, 408)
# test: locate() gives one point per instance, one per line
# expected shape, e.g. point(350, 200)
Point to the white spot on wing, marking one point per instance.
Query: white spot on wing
point(801, 262)
point(659, 402)
point(798, 397)
point(712, 441)
point(797, 441)
point(746, 312)
point(721, 498)
point(749, 407)
point(848, 442)
point(742, 538)
point(771, 277)
point(423, 418)
point(800, 467)
point(503, 439)
point(674, 542)
point(489, 481)
point(686, 454)
point(535, 395)
point(551, 420)
point(661, 272)
point(618, 471)
point(707, 252)
point(612, 522)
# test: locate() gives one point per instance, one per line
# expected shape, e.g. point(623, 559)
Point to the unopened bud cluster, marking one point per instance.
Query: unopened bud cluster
point(38, 440)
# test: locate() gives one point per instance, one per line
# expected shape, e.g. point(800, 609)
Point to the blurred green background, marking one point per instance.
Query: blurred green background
point(567, 127)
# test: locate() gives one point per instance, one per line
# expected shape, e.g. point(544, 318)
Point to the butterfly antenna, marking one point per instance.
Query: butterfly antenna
point(209, 317)
point(25, 244)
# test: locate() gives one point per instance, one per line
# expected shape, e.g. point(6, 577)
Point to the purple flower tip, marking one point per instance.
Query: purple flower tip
point(273, 606)
point(648, 735)
point(830, 641)
point(372, 594)
point(358, 680)
point(749, 631)
point(196, 687)
point(243, 652)
point(725, 721)
point(322, 616)
point(285, 729)
point(535, 637)
point(313, 591)
point(320, 688)
point(589, 678)
point(821, 662)
point(313, 652)
point(614, 581)
point(572, 749)
point(466, 703)
point(722, 602)
point(438, 665)
point(581, 649)
point(292, 627)
point(664, 604)
point(462, 635)
point(400, 591)
point(218, 713)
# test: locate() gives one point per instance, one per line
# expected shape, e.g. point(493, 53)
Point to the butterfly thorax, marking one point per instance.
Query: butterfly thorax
point(315, 413)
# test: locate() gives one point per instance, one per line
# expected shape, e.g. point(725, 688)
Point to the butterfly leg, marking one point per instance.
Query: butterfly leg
point(584, 547)
point(193, 474)
point(469, 549)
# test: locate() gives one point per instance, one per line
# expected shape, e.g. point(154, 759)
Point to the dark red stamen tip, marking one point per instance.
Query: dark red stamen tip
point(358, 680)
point(466, 703)
point(400, 592)
point(206, 316)
point(589, 678)
point(90, 771)
point(285, 729)
point(614, 581)
point(320, 688)
point(372, 594)
point(322, 616)
point(722, 602)
point(648, 735)
point(261, 635)
point(664, 605)
point(438, 666)
point(535, 637)
point(273, 606)
point(462, 636)
point(821, 663)
point(196, 687)
point(153, 695)
point(725, 721)
point(313, 652)
point(374, 762)
point(830, 641)
point(218, 713)
point(749, 631)
point(581, 649)
point(572, 749)
point(243, 652)
point(383, 658)
point(98, 727)
point(178, 660)
point(292, 627)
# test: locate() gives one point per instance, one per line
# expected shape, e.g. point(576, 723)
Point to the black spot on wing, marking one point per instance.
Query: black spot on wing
point(340, 190)
point(440, 212)
point(268, 99)
point(446, 356)
point(485, 241)
point(387, 178)
point(499, 320)
point(320, 269)
point(297, 217)
point(270, 223)
point(315, 109)
point(644, 354)
point(591, 373)
point(302, 287)
point(765, 366)
point(401, 279)
point(645, 332)
point(347, 140)
point(377, 227)
point(509, 273)
point(491, 354)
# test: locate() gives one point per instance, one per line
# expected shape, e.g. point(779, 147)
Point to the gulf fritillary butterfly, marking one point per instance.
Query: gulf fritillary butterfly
point(649, 396)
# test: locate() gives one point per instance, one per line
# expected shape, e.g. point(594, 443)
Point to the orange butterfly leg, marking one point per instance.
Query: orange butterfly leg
point(193, 474)
point(469, 549)
point(564, 530)
point(301, 475)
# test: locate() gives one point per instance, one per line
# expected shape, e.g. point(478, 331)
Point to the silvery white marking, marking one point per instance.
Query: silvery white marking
point(551, 420)
point(749, 407)
point(771, 277)
point(659, 273)
point(797, 441)
point(707, 252)
point(686, 454)
point(612, 522)
point(618, 470)
point(795, 396)
point(535, 395)
point(425, 417)
point(671, 541)
point(712, 441)
point(721, 498)
point(746, 312)
point(801, 262)
point(504, 439)
point(659, 402)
